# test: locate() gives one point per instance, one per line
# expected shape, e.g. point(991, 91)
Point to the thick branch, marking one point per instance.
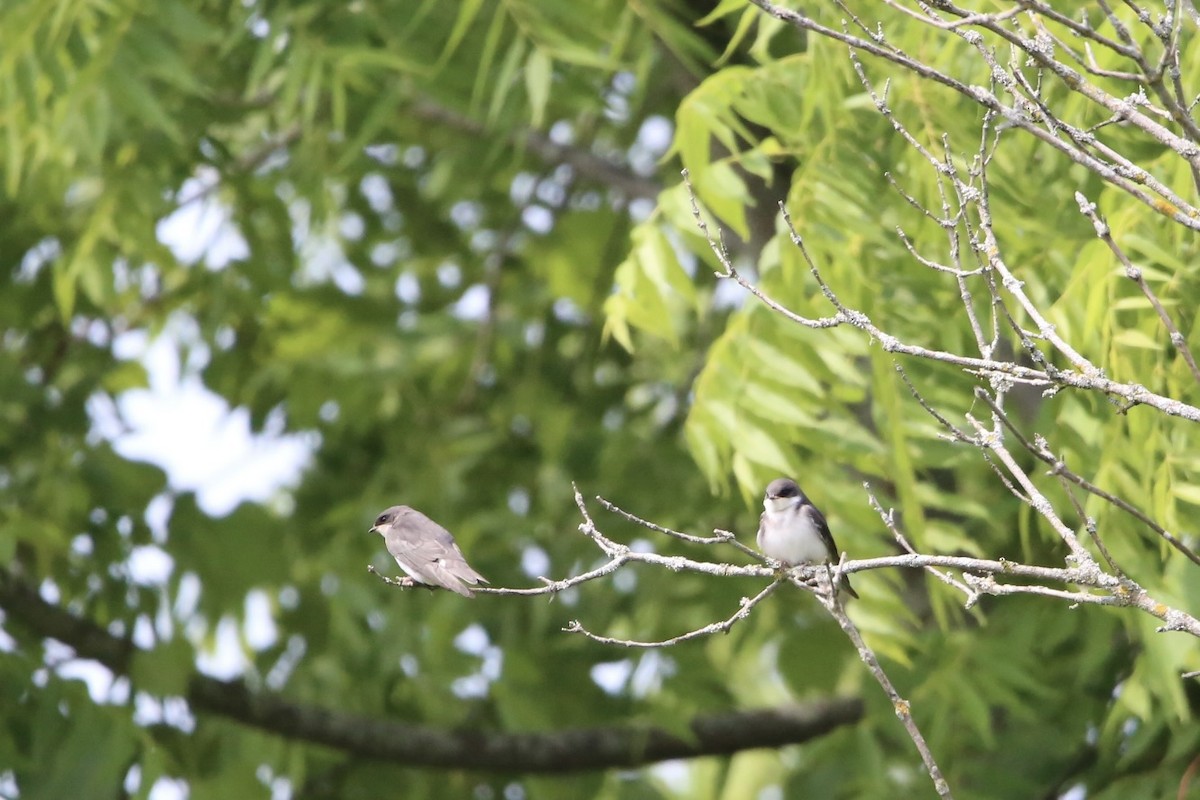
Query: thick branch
point(567, 750)
point(584, 162)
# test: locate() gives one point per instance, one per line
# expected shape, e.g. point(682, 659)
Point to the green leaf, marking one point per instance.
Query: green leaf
point(8, 545)
point(125, 376)
point(653, 293)
point(767, 403)
point(760, 446)
point(64, 274)
point(1131, 337)
point(724, 8)
point(503, 81)
point(82, 751)
point(1137, 242)
point(782, 367)
point(165, 670)
point(1189, 492)
point(703, 447)
point(246, 549)
point(468, 10)
point(539, 73)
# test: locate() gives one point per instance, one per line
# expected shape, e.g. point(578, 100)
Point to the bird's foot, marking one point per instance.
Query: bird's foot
point(402, 583)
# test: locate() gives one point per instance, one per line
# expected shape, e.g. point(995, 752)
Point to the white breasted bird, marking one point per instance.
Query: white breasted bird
point(794, 531)
point(425, 550)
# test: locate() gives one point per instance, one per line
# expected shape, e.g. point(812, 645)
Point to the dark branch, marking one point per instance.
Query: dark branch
point(586, 163)
point(557, 751)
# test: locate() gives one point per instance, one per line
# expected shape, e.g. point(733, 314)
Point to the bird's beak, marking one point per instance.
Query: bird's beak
point(777, 502)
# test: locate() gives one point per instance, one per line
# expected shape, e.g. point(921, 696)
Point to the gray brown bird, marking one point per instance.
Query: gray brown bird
point(794, 531)
point(425, 550)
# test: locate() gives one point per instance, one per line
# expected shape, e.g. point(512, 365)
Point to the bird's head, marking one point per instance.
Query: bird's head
point(386, 518)
point(782, 494)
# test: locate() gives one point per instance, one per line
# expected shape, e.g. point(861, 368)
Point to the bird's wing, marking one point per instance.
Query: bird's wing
point(818, 520)
point(428, 553)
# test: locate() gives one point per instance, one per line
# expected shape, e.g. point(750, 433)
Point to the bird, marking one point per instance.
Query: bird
point(793, 531)
point(425, 550)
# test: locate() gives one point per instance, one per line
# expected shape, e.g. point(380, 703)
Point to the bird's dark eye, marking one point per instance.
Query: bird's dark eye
point(788, 491)
point(382, 519)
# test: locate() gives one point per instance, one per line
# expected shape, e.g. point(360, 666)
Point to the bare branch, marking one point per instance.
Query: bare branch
point(1178, 340)
point(731, 272)
point(889, 520)
point(721, 537)
point(980, 574)
point(1040, 448)
point(901, 706)
point(1027, 117)
point(744, 608)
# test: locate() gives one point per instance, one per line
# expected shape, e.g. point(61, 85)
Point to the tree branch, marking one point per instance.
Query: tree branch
point(586, 163)
point(1025, 114)
point(902, 707)
point(557, 751)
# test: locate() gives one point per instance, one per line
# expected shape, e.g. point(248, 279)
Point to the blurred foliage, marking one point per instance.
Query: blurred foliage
point(441, 252)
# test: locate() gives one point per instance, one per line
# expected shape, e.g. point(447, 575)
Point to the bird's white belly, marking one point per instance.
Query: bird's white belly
point(796, 542)
point(411, 571)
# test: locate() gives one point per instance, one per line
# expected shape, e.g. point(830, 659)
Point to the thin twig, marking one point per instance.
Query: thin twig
point(1178, 340)
point(722, 254)
point(889, 521)
point(1040, 448)
point(744, 608)
point(1077, 146)
point(721, 537)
